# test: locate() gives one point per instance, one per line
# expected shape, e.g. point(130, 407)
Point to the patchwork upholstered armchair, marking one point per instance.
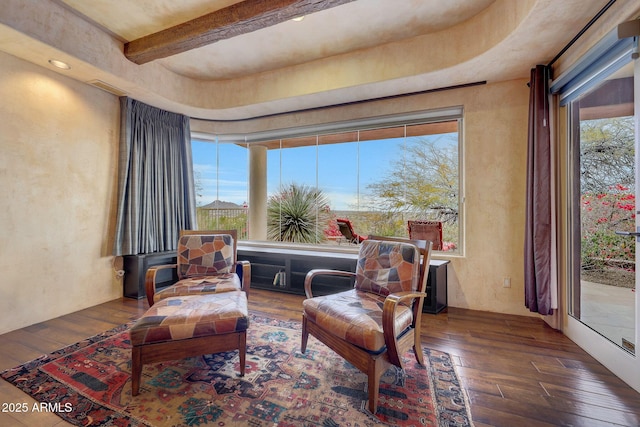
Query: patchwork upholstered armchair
point(206, 263)
point(374, 324)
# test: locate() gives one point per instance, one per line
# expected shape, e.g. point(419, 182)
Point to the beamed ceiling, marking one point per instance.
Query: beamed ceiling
point(230, 60)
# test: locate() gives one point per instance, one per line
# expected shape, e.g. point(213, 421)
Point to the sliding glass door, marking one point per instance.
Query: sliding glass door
point(604, 209)
point(602, 224)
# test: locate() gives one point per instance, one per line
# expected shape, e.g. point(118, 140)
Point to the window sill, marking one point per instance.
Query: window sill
point(302, 248)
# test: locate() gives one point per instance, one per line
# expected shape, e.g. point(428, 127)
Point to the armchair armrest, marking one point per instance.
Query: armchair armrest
point(388, 321)
point(150, 280)
point(243, 269)
point(325, 272)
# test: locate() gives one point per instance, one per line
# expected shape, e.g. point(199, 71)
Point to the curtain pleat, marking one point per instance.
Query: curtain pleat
point(539, 263)
point(156, 196)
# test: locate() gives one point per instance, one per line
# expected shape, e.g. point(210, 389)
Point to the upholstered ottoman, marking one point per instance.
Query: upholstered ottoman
point(179, 327)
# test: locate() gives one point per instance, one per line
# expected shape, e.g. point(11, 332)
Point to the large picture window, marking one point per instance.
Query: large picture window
point(221, 185)
point(377, 178)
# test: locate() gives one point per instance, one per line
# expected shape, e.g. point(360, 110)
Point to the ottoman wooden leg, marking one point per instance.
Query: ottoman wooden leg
point(136, 370)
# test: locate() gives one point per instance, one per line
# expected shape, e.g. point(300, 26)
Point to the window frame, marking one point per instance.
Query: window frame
point(429, 117)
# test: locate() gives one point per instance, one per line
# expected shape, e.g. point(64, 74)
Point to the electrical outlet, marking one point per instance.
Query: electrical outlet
point(507, 282)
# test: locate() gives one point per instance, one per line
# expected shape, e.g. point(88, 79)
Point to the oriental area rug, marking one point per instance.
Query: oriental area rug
point(90, 384)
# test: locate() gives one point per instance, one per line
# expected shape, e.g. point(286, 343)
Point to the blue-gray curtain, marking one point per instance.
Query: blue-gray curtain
point(538, 235)
point(156, 196)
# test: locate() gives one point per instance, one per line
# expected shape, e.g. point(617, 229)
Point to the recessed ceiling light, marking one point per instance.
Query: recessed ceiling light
point(298, 19)
point(60, 64)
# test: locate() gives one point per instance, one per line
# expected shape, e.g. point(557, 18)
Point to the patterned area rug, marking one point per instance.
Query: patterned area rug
point(88, 383)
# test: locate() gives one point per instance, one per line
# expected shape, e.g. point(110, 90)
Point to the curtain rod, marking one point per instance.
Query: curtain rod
point(582, 31)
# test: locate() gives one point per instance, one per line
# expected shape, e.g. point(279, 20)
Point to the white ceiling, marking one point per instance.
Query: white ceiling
point(347, 28)
point(359, 50)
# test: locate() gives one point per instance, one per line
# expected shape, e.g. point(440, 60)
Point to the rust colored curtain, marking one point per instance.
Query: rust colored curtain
point(538, 238)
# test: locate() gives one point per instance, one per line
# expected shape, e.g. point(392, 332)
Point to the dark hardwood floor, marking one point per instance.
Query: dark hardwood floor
point(516, 370)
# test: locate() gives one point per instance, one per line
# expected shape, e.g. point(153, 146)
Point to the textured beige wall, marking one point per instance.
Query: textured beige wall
point(57, 193)
point(495, 128)
point(495, 151)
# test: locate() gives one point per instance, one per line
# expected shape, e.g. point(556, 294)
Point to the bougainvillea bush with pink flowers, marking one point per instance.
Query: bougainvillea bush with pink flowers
point(602, 215)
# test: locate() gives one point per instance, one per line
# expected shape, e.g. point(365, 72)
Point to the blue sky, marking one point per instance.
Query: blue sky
point(333, 166)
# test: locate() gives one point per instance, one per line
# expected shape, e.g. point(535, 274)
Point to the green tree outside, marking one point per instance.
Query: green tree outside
point(422, 183)
point(607, 203)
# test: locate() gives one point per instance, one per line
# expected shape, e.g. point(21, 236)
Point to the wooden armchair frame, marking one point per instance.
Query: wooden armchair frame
point(242, 268)
point(396, 342)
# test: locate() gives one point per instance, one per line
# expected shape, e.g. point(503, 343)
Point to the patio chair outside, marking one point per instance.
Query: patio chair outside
point(426, 230)
point(347, 231)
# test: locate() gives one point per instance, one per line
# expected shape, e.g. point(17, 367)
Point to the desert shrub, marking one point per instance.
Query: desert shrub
point(297, 213)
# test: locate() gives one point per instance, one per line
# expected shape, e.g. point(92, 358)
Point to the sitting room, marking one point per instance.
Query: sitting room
point(208, 189)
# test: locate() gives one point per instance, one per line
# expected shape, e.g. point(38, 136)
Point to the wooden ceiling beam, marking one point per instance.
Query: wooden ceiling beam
point(240, 18)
